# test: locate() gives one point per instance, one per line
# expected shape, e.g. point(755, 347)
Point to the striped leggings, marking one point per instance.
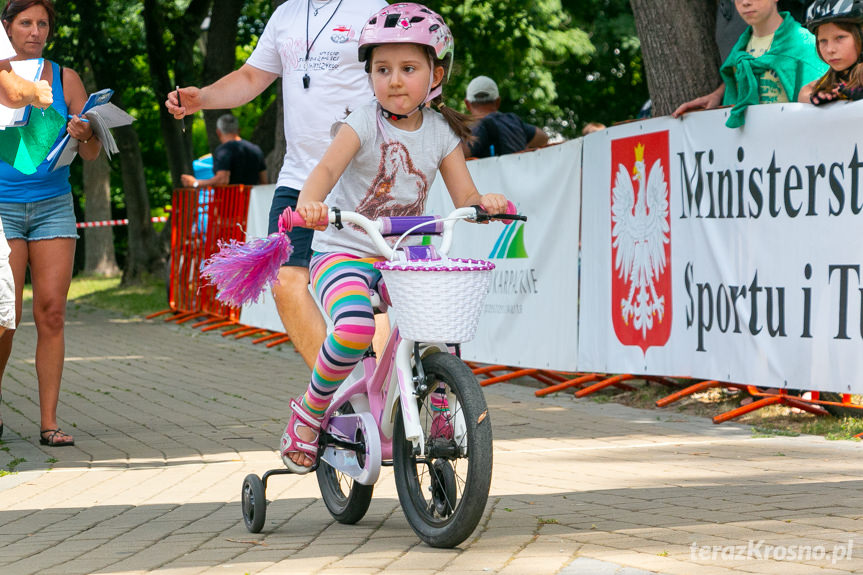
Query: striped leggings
point(342, 282)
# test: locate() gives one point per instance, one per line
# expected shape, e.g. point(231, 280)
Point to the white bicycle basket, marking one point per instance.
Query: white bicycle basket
point(437, 300)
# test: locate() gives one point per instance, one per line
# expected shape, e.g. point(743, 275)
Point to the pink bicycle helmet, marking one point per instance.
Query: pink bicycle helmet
point(408, 23)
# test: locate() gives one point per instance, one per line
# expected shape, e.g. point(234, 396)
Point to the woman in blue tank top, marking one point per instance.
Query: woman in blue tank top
point(38, 217)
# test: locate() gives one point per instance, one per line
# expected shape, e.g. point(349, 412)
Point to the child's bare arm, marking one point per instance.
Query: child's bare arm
point(461, 187)
point(325, 175)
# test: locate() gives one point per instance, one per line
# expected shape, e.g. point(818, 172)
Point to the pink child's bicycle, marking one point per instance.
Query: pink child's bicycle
point(419, 409)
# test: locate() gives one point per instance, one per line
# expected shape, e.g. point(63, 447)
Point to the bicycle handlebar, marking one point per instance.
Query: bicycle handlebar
point(403, 225)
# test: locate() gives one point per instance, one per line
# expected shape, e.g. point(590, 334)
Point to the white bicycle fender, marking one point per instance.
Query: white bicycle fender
point(407, 396)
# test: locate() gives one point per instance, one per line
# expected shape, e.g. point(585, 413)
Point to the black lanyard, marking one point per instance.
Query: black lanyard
point(306, 79)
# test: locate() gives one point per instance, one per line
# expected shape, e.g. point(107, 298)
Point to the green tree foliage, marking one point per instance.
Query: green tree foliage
point(521, 44)
point(559, 64)
point(609, 87)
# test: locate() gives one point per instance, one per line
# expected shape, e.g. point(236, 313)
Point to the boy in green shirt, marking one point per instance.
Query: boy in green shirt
point(771, 61)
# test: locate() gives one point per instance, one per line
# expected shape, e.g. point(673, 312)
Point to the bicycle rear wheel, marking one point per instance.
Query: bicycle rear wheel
point(346, 500)
point(444, 493)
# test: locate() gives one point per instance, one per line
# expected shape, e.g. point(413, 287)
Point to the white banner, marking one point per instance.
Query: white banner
point(727, 254)
point(262, 314)
point(531, 311)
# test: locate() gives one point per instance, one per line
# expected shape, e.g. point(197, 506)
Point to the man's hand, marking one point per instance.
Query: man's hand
point(188, 181)
point(16, 92)
point(44, 96)
point(184, 102)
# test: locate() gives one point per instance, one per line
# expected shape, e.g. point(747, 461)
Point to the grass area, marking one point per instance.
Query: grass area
point(107, 293)
point(769, 421)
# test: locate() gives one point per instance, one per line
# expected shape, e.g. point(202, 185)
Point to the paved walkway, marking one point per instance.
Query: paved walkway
point(168, 421)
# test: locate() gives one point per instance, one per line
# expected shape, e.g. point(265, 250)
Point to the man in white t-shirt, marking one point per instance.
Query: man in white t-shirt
point(312, 45)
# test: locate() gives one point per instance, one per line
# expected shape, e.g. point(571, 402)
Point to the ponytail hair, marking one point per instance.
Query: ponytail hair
point(458, 122)
point(852, 77)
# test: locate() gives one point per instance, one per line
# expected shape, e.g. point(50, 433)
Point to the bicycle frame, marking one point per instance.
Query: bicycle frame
point(374, 387)
point(443, 500)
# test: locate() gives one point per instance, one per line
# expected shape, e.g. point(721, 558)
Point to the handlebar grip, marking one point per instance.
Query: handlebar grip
point(506, 218)
point(289, 219)
point(510, 210)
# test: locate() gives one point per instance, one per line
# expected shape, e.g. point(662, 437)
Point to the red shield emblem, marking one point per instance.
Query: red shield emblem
point(641, 240)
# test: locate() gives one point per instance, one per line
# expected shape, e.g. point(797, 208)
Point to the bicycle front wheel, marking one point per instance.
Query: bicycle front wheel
point(443, 493)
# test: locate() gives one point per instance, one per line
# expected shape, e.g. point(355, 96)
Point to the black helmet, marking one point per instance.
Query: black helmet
point(823, 11)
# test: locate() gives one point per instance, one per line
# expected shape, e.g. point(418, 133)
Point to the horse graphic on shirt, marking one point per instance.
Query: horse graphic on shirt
point(396, 173)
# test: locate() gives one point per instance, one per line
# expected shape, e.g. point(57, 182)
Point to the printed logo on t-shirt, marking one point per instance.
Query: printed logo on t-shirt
point(399, 189)
point(342, 34)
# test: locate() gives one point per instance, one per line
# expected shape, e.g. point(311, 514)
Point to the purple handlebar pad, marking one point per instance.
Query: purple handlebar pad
point(397, 225)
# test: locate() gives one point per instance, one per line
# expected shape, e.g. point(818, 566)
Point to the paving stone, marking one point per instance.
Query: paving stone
point(169, 420)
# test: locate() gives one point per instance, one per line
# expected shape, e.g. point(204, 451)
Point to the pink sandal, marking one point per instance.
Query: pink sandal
point(441, 426)
point(292, 443)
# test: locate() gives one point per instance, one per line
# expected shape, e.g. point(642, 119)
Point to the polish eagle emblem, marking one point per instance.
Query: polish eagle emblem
point(640, 231)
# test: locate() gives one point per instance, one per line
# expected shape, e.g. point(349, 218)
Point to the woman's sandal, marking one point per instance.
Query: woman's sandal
point(51, 440)
point(292, 443)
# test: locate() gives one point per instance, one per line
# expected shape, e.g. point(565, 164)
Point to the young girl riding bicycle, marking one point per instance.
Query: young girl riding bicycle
point(381, 162)
point(839, 38)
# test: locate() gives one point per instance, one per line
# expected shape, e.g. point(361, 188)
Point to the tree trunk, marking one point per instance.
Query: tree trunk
point(99, 256)
point(277, 156)
point(145, 256)
point(680, 53)
point(221, 55)
point(179, 157)
point(264, 134)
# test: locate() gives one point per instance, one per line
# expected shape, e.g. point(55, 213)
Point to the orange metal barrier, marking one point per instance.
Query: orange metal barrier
point(558, 381)
point(763, 398)
point(554, 380)
point(199, 220)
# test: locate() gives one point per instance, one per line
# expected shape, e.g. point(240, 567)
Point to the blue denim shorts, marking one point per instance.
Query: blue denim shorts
point(42, 220)
point(301, 238)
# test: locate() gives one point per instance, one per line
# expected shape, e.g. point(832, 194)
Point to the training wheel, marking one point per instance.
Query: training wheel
point(254, 503)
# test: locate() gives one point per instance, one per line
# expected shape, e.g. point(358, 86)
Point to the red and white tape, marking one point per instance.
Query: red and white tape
point(109, 223)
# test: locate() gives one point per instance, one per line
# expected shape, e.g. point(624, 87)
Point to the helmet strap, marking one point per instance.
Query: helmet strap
point(384, 113)
point(393, 116)
point(431, 94)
